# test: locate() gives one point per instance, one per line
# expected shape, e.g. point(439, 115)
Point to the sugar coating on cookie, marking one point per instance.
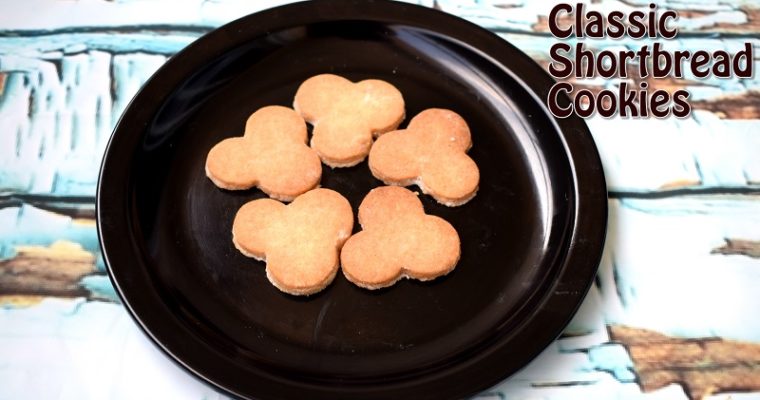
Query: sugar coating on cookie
point(272, 154)
point(300, 242)
point(347, 116)
point(398, 241)
point(431, 153)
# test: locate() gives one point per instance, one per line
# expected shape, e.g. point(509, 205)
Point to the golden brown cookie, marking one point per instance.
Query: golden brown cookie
point(272, 154)
point(346, 116)
point(299, 242)
point(398, 240)
point(431, 153)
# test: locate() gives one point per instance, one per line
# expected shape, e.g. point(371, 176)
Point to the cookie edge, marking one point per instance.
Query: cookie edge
point(446, 201)
point(404, 274)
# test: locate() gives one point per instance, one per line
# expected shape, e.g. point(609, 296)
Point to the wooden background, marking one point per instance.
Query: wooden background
point(674, 312)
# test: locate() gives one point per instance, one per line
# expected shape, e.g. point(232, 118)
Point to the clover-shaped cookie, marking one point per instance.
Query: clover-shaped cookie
point(398, 240)
point(431, 153)
point(346, 116)
point(272, 154)
point(299, 242)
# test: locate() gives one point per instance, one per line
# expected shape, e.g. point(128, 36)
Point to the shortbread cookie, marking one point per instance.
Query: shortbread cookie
point(347, 116)
point(272, 155)
point(398, 240)
point(299, 242)
point(431, 153)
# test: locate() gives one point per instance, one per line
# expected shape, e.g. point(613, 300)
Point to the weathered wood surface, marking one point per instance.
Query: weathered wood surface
point(658, 271)
point(56, 114)
point(748, 248)
point(737, 106)
point(671, 316)
point(654, 245)
point(63, 94)
point(53, 271)
point(697, 16)
point(702, 365)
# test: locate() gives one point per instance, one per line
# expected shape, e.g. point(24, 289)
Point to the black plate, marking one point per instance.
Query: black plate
point(531, 239)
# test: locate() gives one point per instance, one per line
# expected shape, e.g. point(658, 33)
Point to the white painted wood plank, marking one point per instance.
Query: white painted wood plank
point(56, 115)
point(653, 246)
point(45, 15)
point(86, 350)
point(658, 271)
point(701, 151)
point(608, 388)
point(728, 151)
point(54, 46)
point(646, 154)
point(54, 123)
point(515, 15)
point(57, 112)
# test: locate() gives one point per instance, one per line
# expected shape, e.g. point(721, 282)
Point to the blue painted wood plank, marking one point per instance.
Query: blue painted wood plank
point(57, 113)
point(54, 124)
point(652, 245)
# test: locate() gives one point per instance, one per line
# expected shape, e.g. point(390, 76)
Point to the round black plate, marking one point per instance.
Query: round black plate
point(531, 238)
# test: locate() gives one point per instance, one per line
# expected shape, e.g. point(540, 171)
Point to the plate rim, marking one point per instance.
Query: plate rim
point(587, 236)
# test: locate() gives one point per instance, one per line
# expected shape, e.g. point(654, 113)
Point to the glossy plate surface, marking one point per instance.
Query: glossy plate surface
point(531, 238)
